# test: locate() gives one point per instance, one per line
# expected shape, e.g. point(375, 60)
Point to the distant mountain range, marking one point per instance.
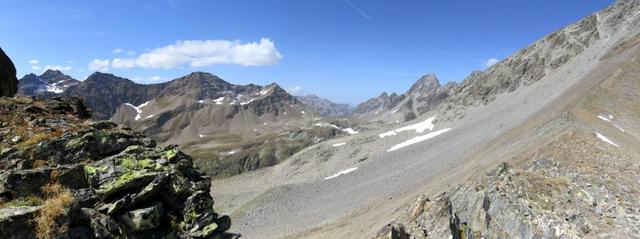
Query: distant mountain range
point(49, 84)
point(228, 128)
point(325, 107)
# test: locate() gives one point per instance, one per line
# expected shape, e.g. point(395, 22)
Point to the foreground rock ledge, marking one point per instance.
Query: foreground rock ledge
point(123, 185)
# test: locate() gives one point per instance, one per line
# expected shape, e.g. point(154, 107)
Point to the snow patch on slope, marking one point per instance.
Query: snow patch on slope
point(418, 139)
point(338, 144)
point(418, 127)
point(341, 173)
point(605, 139)
point(138, 109)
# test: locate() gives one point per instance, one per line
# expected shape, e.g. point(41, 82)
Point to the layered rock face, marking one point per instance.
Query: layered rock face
point(117, 182)
point(8, 80)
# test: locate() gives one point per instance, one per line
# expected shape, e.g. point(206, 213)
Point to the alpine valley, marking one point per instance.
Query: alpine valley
point(543, 144)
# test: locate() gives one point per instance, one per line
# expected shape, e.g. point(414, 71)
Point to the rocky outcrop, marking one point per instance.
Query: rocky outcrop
point(8, 80)
point(574, 187)
point(123, 185)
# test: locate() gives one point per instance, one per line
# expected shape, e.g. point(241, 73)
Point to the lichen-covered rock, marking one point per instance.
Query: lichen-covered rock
point(144, 218)
point(124, 186)
point(8, 80)
point(15, 222)
point(22, 183)
point(570, 188)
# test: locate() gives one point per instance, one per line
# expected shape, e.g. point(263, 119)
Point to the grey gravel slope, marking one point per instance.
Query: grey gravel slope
point(293, 197)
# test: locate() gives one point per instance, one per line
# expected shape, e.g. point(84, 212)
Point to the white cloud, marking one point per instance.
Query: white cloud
point(123, 63)
point(143, 79)
point(34, 62)
point(197, 53)
point(117, 51)
point(59, 68)
point(295, 90)
point(35, 67)
point(131, 53)
point(490, 62)
point(99, 65)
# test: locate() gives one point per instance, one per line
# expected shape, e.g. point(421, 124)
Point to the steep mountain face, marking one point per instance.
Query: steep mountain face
point(65, 177)
point(560, 113)
point(8, 80)
point(374, 106)
point(47, 85)
point(325, 107)
point(423, 96)
point(104, 93)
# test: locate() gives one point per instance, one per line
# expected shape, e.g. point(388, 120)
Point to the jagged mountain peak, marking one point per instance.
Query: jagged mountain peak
point(51, 73)
point(426, 83)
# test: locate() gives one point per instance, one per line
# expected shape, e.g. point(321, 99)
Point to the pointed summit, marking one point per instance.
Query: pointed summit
point(51, 73)
point(426, 83)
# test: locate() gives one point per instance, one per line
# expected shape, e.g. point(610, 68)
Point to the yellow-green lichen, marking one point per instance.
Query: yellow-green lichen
point(208, 230)
point(172, 153)
point(120, 182)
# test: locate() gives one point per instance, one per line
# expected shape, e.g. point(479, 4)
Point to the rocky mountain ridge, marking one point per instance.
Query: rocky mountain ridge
point(325, 107)
point(64, 176)
point(49, 84)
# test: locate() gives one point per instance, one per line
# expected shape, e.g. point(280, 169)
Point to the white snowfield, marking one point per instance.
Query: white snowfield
point(54, 88)
point(350, 131)
point(343, 172)
point(608, 119)
point(138, 109)
point(219, 100)
point(338, 144)
point(605, 139)
point(418, 139)
point(604, 118)
point(418, 127)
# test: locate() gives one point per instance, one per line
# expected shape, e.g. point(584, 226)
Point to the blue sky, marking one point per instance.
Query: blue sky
point(346, 51)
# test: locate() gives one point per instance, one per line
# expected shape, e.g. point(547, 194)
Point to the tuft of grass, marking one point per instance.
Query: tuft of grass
point(29, 201)
point(54, 208)
point(37, 138)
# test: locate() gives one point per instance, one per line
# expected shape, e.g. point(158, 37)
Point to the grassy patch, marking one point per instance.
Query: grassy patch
point(54, 207)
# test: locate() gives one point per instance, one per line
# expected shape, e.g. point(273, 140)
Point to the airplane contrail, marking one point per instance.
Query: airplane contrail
point(358, 9)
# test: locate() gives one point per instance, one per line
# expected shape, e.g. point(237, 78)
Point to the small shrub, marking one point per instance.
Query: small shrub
point(53, 209)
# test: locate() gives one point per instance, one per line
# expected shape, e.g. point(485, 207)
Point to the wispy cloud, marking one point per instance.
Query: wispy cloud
point(490, 62)
point(295, 90)
point(364, 14)
point(59, 68)
point(201, 53)
point(99, 65)
point(117, 51)
point(34, 62)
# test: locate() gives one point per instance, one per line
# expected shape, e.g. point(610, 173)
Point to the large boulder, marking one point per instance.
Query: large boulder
point(8, 80)
point(15, 222)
